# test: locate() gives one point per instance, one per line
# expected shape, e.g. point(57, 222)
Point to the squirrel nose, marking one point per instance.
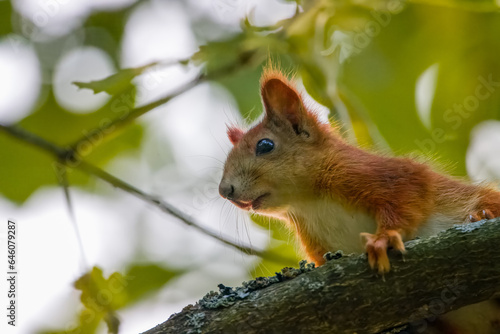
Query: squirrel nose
point(226, 190)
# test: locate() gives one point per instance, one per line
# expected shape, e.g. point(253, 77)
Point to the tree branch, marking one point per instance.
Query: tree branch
point(68, 158)
point(456, 268)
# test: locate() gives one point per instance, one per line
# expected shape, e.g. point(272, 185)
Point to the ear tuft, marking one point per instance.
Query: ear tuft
point(234, 134)
point(281, 100)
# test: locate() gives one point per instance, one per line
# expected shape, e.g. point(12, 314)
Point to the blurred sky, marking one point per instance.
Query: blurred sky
point(193, 124)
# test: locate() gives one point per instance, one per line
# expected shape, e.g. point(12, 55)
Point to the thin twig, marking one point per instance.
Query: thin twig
point(67, 157)
point(62, 178)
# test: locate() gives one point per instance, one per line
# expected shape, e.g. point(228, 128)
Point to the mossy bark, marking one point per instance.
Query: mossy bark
point(460, 266)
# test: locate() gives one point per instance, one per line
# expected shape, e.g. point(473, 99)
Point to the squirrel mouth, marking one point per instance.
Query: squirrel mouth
point(247, 205)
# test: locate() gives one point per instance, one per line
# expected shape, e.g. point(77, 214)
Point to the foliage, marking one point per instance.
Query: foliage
point(102, 297)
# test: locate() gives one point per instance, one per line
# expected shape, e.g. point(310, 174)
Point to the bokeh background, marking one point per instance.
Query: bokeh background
point(418, 78)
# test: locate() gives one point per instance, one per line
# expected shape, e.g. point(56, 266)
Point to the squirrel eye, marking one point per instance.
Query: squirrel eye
point(264, 146)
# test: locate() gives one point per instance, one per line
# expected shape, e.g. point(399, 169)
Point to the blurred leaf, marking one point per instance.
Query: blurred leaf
point(361, 124)
point(244, 86)
point(5, 17)
point(103, 297)
point(115, 83)
point(382, 79)
point(35, 168)
point(242, 51)
point(316, 84)
point(146, 279)
point(100, 294)
point(244, 83)
point(223, 57)
point(282, 241)
point(470, 5)
point(86, 323)
point(104, 30)
point(119, 291)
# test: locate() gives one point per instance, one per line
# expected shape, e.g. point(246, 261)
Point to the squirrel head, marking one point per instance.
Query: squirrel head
point(272, 165)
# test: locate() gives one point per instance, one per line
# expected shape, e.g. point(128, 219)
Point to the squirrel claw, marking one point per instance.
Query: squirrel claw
point(376, 247)
point(480, 215)
point(487, 214)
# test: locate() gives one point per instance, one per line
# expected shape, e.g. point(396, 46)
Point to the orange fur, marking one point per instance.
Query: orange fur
point(331, 192)
point(312, 174)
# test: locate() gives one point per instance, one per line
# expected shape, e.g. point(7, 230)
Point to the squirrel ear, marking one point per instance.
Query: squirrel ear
point(282, 102)
point(234, 134)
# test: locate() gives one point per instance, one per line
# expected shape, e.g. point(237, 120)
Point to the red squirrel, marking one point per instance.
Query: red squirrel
point(295, 168)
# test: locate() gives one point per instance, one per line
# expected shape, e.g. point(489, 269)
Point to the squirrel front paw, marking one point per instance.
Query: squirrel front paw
point(480, 215)
point(376, 246)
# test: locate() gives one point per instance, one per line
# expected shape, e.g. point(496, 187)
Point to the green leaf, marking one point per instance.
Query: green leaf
point(244, 86)
point(103, 297)
point(146, 279)
point(5, 17)
point(246, 50)
point(104, 30)
point(115, 83)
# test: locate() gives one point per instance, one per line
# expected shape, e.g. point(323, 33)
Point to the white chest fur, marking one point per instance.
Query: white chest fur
point(332, 225)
